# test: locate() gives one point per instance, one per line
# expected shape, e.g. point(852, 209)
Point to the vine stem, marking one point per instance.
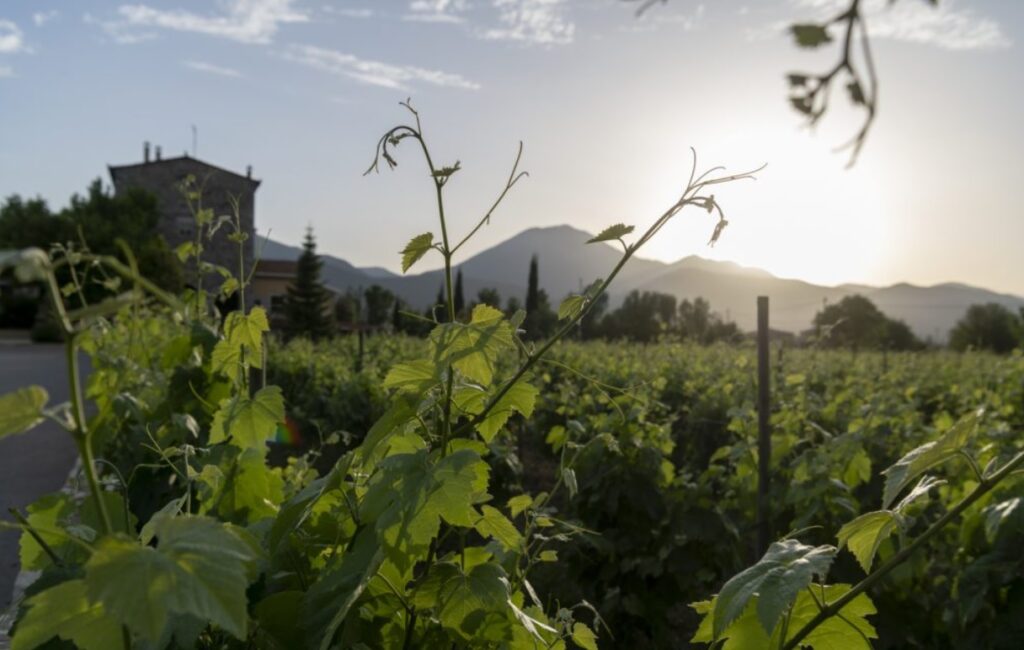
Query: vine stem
point(872, 579)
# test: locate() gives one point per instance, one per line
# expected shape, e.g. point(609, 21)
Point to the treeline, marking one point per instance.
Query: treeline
point(643, 316)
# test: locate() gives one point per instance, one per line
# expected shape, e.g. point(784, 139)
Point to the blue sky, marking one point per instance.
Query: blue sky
point(605, 103)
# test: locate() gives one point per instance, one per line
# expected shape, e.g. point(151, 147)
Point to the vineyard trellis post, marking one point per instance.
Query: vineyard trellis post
point(764, 439)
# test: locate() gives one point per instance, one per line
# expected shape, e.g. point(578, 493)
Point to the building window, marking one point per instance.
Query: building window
point(276, 303)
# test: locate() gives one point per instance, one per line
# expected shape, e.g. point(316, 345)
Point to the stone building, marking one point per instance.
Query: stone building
point(163, 177)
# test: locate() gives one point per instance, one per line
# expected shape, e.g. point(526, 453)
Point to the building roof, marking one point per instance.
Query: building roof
point(276, 268)
point(116, 170)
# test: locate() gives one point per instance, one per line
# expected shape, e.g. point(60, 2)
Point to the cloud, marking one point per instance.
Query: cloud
point(11, 39)
point(686, 20)
point(945, 26)
point(245, 21)
point(348, 13)
point(119, 32)
point(40, 18)
point(375, 73)
point(437, 11)
point(210, 68)
point(532, 21)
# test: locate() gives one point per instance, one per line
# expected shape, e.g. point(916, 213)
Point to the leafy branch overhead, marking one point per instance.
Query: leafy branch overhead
point(810, 93)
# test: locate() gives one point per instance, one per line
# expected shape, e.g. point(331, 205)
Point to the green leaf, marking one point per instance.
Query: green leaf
point(809, 35)
point(866, 533)
point(464, 598)
point(415, 249)
point(46, 514)
point(997, 514)
point(243, 333)
point(584, 637)
point(520, 398)
point(786, 568)
point(249, 422)
point(571, 307)
point(850, 632)
point(417, 376)
point(410, 496)
point(519, 504)
point(473, 348)
point(856, 93)
point(332, 596)
point(858, 470)
point(928, 455)
point(65, 611)
point(495, 525)
point(22, 409)
point(610, 233)
point(280, 616)
point(185, 251)
point(250, 492)
point(199, 568)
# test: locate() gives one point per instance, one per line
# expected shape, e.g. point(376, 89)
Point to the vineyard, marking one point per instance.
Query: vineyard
point(474, 489)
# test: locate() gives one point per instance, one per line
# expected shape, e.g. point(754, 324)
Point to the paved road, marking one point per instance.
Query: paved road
point(35, 463)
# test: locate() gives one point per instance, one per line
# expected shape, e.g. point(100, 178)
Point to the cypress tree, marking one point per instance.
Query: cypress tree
point(532, 288)
point(305, 305)
point(460, 300)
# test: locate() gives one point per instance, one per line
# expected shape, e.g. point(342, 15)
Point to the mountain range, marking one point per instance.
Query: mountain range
point(566, 264)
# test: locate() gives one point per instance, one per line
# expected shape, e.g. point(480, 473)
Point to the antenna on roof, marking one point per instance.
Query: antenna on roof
point(195, 141)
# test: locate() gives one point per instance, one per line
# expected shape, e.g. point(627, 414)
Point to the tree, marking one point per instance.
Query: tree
point(348, 308)
point(378, 305)
point(987, 327)
point(99, 220)
point(855, 322)
point(306, 302)
point(642, 317)
point(489, 297)
point(540, 318)
point(460, 298)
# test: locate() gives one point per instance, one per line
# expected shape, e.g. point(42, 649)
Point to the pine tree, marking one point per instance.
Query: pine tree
point(460, 299)
point(540, 319)
point(306, 303)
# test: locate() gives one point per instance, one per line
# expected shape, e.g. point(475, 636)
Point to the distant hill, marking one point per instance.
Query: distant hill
point(566, 264)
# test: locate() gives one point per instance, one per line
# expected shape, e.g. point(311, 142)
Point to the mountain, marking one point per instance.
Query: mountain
point(566, 264)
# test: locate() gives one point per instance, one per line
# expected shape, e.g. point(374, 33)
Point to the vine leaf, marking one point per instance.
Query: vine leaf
point(416, 376)
point(866, 533)
point(495, 525)
point(249, 421)
point(22, 409)
point(786, 568)
point(199, 568)
point(473, 348)
point(571, 307)
point(998, 514)
point(66, 611)
point(45, 514)
point(520, 398)
point(611, 233)
point(928, 455)
point(851, 632)
point(584, 637)
point(417, 247)
point(463, 599)
point(242, 332)
point(810, 35)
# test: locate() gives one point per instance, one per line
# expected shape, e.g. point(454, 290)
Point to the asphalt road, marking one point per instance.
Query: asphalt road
point(34, 463)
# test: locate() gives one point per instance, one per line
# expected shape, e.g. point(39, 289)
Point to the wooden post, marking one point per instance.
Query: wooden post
point(764, 438)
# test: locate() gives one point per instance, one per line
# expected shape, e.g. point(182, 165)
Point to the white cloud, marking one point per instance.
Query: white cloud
point(40, 18)
point(210, 68)
point(945, 25)
point(246, 21)
point(11, 39)
point(687, 19)
point(375, 73)
point(437, 11)
point(532, 21)
point(348, 13)
point(119, 32)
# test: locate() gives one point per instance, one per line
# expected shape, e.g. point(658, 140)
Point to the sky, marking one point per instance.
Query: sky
point(607, 106)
